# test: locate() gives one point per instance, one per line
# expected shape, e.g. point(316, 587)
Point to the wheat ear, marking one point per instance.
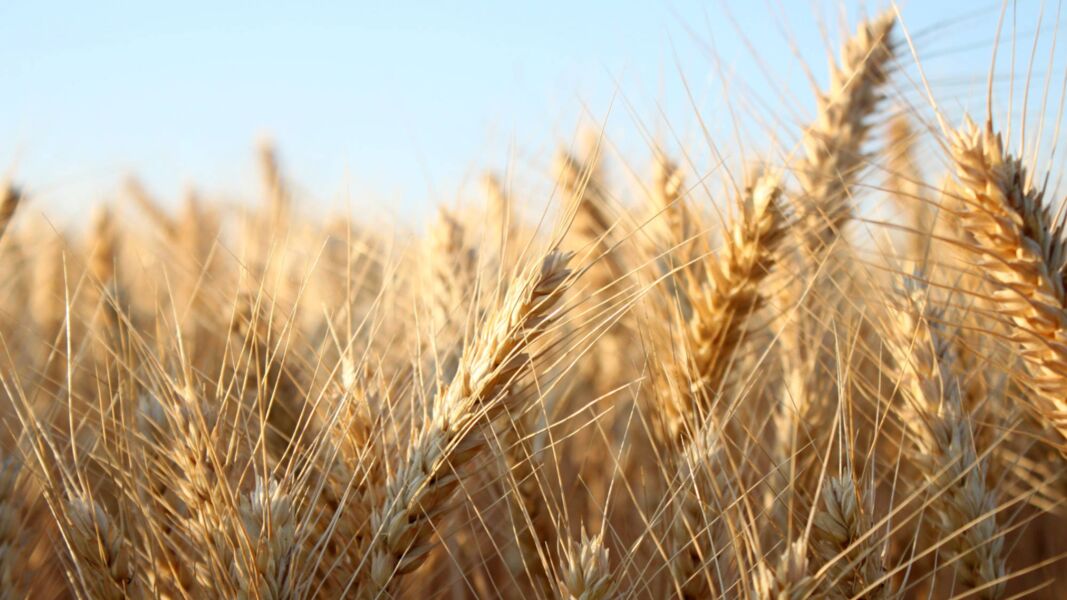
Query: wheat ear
point(423, 484)
point(1021, 250)
point(833, 143)
point(964, 505)
point(585, 572)
point(10, 197)
point(100, 556)
point(788, 578)
point(271, 528)
point(905, 182)
point(667, 188)
point(697, 536)
point(827, 173)
point(853, 561)
point(722, 303)
point(452, 266)
point(202, 486)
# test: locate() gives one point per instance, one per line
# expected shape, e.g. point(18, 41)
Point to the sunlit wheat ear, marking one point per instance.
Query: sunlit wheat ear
point(594, 234)
point(10, 196)
point(963, 504)
point(351, 467)
point(452, 270)
point(99, 553)
point(103, 253)
point(274, 186)
point(853, 563)
point(46, 309)
point(585, 572)
point(150, 207)
point(584, 198)
point(1020, 248)
point(498, 209)
point(905, 181)
point(202, 485)
point(102, 245)
point(833, 144)
point(722, 304)
point(424, 482)
point(827, 174)
point(667, 189)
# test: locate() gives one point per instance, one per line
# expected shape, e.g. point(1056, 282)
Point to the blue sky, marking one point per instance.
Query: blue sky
point(398, 104)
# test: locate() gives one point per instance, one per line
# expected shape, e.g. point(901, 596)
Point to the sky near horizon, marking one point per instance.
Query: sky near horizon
point(398, 104)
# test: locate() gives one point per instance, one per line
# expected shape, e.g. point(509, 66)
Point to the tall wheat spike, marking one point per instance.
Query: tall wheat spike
point(833, 144)
point(904, 180)
point(832, 161)
point(947, 456)
point(841, 541)
point(722, 304)
point(426, 479)
point(1021, 249)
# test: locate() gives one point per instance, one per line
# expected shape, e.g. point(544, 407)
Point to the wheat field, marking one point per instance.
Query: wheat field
point(726, 381)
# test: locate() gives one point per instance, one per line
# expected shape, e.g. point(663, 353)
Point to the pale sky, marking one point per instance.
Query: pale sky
point(401, 104)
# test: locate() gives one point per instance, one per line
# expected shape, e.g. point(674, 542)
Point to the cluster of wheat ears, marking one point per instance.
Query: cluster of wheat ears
point(745, 389)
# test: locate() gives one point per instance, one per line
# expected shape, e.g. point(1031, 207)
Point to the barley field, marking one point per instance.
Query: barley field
point(835, 367)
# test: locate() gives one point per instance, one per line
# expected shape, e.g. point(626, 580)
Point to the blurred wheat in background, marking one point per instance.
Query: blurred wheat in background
point(738, 380)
